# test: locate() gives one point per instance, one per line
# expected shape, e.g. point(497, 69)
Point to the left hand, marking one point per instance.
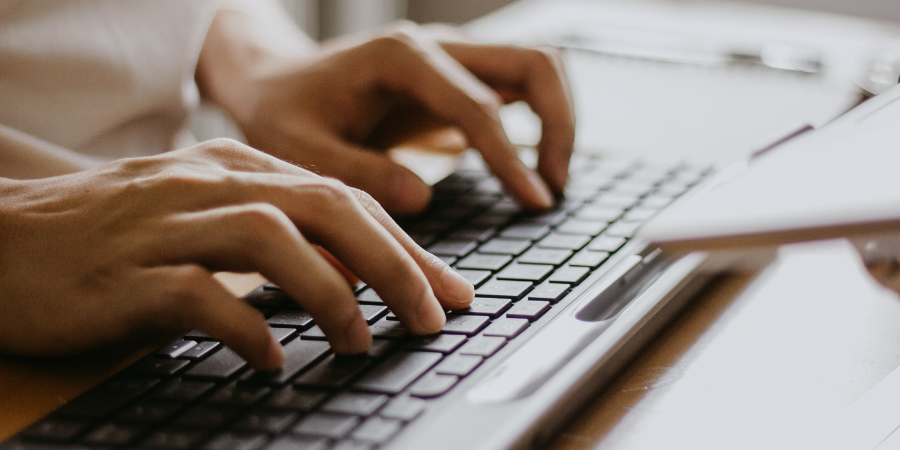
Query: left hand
point(324, 111)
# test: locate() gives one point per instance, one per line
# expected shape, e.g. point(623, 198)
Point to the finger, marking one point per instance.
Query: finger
point(537, 76)
point(259, 237)
point(450, 288)
point(418, 67)
point(213, 310)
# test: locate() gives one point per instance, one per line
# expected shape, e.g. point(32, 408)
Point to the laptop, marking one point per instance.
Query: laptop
point(564, 300)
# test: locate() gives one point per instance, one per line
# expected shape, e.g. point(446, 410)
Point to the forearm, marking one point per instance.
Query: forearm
point(23, 156)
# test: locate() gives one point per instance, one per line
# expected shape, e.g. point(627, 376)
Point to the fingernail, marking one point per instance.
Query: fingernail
point(457, 287)
point(545, 197)
point(359, 339)
point(274, 355)
point(431, 316)
point(409, 194)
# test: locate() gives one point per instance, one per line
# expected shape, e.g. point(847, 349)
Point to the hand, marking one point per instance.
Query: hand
point(324, 111)
point(129, 248)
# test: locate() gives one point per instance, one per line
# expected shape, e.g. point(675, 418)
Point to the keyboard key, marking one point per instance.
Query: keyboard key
point(315, 333)
point(504, 327)
point(503, 289)
point(200, 350)
point(388, 329)
point(551, 292)
point(299, 442)
point(238, 394)
point(563, 241)
point(505, 246)
point(333, 372)
point(108, 397)
point(296, 399)
point(176, 349)
point(547, 218)
point(605, 243)
point(113, 434)
point(298, 355)
point(268, 297)
point(485, 306)
point(464, 324)
point(453, 248)
point(531, 310)
point(595, 212)
point(569, 274)
point(640, 214)
point(372, 312)
point(395, 373)
point(585, 227)
point(443, 343)
point(616, 200)
point(329, 425)
point(588, 258)
point(403, 408)
point(524, 272)
point(483, 262)
point(476, 277)
point(526, 231)
point(222, 364)
point(377, 430)
point(545, 256)
point(296, 318)
point(473, 233)
point(266, 420)
point(380, 348)
point(655, 202)
point(623, 229)
point(369, 296)
point(173, 438)
point(207, 416)
point(482, 346)
point(356, 403)
point(157, 367)
point(432, 385)
point(458, 364)
point(56, 429)
point(150, 411)
point(282, 334)
point(182, 390)
point(236, 441)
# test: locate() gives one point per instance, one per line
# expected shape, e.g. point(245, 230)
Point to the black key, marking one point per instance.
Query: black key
point(176, 349)
point(150, 411)
point(55, 429)
point(315, 333)
point(157, 367)
point(108, 397)
point(377, 430)
point(443, 343)
point(486, 306)
point(388, 329)
point(503, 289)
point(462, 324)
point(432, 385)
point(182, 390)
point(353, 445)
point(222, 364)
point(207, 416)
point(200, 350)
point(236, 441)
point(585, 227)
point(423, 238)
point(372, 312)
point(588, 258)
point(545, 256)
point(594, 212)
point(270, 286)
point(569, 274)
point(266, 420)
point(296, 318)
point(267, 297)
point(490, 220)
point(333, 372)
point(623, 229)
point(369, 296)
point(403, 408)
point(113, 434)
point(329, 425)
point(379, 349)
point(524, 272)
point(508, 328)
point(238, 394)
point(173, 438)
point(476, 277)
point(395, 373)
point(531, 310)
point(299, 442)
point(298, 355)
point(356, 403)
point(473, 233)
point(505, 246)
point(526, 231)
point(606, 243)
point(483, 262)
point(457, 364)
point(452, 248)
point(563, 241)
point(281, 334)
point(551, 292)
point(482, 346)
point(296, 399)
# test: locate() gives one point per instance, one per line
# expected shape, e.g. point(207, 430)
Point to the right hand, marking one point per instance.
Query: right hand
point(129, 248)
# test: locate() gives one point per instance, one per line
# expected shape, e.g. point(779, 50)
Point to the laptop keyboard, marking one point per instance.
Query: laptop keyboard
point(197, 394)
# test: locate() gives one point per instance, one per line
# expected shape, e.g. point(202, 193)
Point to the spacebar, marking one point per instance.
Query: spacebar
point(394, 374)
